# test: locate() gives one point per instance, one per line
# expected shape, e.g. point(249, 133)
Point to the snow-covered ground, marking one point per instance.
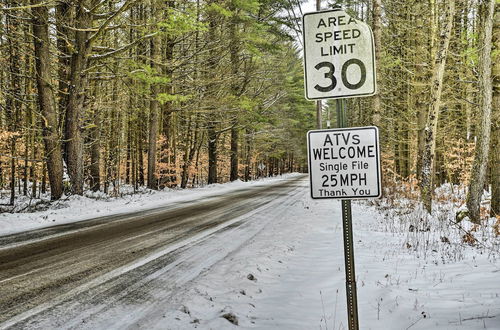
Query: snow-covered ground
point(297, 278)
point(290, 273)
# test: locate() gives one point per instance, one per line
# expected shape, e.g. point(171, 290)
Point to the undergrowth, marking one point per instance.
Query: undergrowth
point(439, 236)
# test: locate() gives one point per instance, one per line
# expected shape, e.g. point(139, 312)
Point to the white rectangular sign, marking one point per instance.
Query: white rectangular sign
point(339, 56)
point(344, 163)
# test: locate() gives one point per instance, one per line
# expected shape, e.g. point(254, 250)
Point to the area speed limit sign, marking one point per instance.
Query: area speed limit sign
point(339, 56)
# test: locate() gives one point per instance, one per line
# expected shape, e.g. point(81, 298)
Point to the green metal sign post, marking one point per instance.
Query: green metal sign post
point(350, 274)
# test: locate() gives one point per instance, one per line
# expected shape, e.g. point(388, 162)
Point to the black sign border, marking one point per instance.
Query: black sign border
point(377, 145)
point(305, 63)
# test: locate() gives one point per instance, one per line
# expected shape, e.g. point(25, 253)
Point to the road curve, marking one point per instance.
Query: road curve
point(43, 269)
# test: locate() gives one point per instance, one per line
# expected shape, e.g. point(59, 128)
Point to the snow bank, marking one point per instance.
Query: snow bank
point(92, 205)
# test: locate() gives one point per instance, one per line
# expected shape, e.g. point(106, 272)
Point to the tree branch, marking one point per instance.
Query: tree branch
point(43, 4)
point(108, 21)
point(121, 49)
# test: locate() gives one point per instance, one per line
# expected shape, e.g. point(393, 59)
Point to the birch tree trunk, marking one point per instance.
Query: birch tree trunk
point(478, 177)
point(46, 98)
point(425, 23)
point(427, 175)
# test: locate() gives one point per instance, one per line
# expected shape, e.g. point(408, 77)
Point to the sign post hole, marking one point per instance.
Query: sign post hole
point(344, 163)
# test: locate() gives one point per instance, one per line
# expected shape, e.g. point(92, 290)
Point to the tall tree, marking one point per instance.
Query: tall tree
point(76, 94)
point(428, 162)
point(213, 18)
point(85, 37)
point(495, 123)
point(235, 64)
point(46, 98)
point(13, 102)
point(64, 37)
point(377, 36)
point(478, 178)
point(153, 107)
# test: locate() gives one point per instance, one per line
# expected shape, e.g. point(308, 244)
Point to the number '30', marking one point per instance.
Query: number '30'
point(330, 74)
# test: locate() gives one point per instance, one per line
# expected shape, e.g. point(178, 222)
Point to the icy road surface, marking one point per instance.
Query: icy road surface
point(53, 277)
point(261, 256)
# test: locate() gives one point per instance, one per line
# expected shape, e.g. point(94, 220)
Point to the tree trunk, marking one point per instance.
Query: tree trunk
point(234, 175)
point(63, 20)
point(153, 121)
point(13, 97)
point(234, 52)
point(190, 152)
point(140, 155)
point(168, 174)
point(74, 109)
point(478, 177)
point(211, 68)
point(248, 160)
point(495, 123)
point(424, 25)
point(13, 171)
point(95, 153)
point(212, 154)
point(377, 36)
point(426, 181)
point(44, 178)
point(33, 173)
point(46, 99)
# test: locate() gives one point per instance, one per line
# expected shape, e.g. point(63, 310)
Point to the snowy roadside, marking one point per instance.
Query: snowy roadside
point(291, 276)
point(79, 208)
point(284, 269)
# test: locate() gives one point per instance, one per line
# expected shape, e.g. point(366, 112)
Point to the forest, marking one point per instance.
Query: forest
point(98, 94)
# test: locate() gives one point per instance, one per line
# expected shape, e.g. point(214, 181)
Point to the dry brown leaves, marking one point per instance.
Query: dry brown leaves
point(496, 226)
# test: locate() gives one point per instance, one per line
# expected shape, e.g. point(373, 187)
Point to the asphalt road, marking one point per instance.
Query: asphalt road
point(53, 270)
